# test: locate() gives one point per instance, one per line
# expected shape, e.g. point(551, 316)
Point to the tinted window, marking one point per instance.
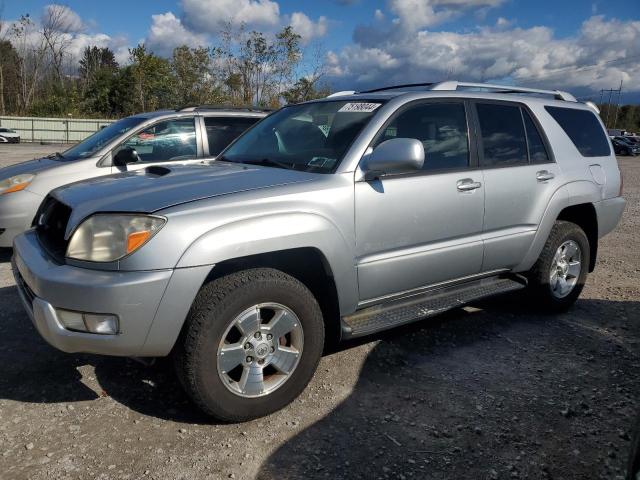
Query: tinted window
point(221, 131)
point(442, 129)
point(165, 141)
point(584, 130)
point(502, 133)
point(537, 150)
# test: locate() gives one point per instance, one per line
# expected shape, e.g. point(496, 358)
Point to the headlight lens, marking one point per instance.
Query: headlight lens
point(16, 183)
point(110, 237)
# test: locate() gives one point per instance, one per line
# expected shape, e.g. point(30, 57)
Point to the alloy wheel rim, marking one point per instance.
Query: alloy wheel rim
point(565, 269)
point(260, 350)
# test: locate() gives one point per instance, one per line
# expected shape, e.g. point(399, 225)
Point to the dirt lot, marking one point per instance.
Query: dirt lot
point(492, 391)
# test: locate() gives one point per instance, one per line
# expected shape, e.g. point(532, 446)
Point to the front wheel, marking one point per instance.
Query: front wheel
point(251, 344)
point(557, 278)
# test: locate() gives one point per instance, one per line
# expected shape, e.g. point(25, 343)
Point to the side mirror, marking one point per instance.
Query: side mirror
point(125, 156)
point(398, 155)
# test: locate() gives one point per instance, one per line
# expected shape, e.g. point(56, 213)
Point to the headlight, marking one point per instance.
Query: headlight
point(16, 183)
point(109, 237)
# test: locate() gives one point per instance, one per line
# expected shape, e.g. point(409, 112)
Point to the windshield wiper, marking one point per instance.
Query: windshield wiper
point(56, 155)
point(267, 162)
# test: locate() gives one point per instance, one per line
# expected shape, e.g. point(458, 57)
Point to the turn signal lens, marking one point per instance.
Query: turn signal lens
point(16, 183)
point(136, 239)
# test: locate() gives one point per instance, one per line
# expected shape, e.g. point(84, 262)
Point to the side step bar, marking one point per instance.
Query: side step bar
point(416, 307)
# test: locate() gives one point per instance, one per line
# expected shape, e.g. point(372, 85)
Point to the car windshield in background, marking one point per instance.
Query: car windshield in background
point(95, 142)
point(312, 137)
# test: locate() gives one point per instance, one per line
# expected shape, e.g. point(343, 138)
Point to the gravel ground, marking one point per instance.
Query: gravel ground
point(491, 391)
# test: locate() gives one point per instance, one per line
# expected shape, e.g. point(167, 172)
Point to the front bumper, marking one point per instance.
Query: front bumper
point(151, 305)
point(16, 214)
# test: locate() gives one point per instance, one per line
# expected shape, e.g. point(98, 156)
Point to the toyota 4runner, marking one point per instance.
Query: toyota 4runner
point(330, 219)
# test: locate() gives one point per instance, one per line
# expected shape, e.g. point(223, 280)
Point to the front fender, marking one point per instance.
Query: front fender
point(277, 232)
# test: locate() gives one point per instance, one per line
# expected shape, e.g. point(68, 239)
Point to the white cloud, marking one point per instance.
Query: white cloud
point(167, 32)
point(532, 56)
point(414, 14)
point(207, 15)
point(63, 18)
point(307, 28)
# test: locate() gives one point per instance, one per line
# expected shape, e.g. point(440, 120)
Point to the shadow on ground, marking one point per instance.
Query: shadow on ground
point(494, 391)
point(498, 392)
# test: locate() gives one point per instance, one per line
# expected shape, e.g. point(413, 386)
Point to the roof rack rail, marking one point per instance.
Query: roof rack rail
point(394, 87)
point(455, 85)
point(198, 108)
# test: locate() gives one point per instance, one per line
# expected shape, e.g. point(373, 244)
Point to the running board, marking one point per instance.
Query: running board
point(416, 307)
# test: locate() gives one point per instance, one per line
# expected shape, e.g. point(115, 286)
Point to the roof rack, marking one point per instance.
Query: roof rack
point(454, 85)
point(394, 87)
point(199, 108)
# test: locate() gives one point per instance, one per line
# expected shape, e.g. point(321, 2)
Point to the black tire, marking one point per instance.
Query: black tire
point(539, 285)
point(214, 308)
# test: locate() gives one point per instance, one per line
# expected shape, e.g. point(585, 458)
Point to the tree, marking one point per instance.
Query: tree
point(57, 24)
point(152, 79)
point(305, 89)
point(31, 49)
point(194, 80)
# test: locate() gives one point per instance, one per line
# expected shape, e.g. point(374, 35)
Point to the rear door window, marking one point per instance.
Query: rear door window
point(502, 133)
point(221, 131)
point(584, 130)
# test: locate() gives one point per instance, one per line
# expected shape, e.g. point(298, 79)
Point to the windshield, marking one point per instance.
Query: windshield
point(95, 142)
point(6, 130)
point(312, 137)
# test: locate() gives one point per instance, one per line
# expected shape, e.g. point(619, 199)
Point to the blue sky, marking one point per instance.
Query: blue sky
point(574, 44)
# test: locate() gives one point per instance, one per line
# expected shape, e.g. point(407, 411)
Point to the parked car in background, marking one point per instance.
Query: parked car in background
point(189, 135)
point(333, 218)
point(8, 135)
point(633, 139)
point(622, 146)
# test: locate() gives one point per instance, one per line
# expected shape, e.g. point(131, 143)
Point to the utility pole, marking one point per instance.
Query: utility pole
point(615, 119)
point(611, 91)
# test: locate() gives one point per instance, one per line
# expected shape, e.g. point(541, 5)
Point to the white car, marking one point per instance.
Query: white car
point(9, 136)
point(189, 135)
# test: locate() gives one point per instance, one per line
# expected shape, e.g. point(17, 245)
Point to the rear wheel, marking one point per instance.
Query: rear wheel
point(558, 276)
point(251, 344)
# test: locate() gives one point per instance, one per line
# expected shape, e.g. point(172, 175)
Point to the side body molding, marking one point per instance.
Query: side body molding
point(276, 232)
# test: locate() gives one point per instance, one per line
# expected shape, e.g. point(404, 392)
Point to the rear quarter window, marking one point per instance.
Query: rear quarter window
point(584, 130)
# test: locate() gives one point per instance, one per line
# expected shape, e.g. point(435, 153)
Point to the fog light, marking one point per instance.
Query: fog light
point(103, 324)
point(71, 320)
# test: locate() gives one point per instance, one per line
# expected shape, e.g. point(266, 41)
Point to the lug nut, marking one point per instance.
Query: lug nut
point(249, 359)
point(261, 361)
point(269, 336)
point(247, 346)
point(273, 349)
point(258, 335)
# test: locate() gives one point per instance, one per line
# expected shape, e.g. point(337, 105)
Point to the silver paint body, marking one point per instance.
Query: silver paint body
point(18, 209)
point(379, 237)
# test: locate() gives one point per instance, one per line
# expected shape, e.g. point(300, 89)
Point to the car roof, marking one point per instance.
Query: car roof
point(203, 111)
point(455, 89)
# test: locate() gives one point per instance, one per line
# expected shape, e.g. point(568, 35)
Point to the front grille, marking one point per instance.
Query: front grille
point(51, 224)
point(24, 288)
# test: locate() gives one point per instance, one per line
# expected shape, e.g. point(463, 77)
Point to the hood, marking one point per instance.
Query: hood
point(156, 188)
point(30, 166)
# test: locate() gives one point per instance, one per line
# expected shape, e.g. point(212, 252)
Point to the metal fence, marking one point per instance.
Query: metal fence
point(54, 130)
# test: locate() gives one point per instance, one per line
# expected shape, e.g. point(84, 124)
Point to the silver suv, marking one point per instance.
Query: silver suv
point(330, 219)
point(164, 137)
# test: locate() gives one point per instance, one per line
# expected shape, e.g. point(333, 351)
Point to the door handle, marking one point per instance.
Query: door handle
point(467, 185)
point(544, 175)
